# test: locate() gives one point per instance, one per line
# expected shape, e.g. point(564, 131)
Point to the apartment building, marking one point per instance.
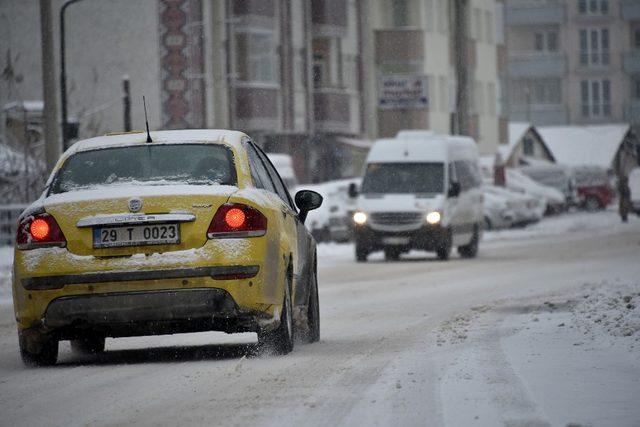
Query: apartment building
point(573, 61)
point(287, 73)
point(412, 45)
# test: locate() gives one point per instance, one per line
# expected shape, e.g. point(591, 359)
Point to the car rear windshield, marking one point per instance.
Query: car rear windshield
point(403, 178)
point(161, 164)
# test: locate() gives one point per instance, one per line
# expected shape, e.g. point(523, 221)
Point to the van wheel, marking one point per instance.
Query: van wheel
point(392, 254)
point(592, 204)
point(40, 350)
point(444, 250)
point(470, 250)
point(361, 252)
point(92, 345)
point(280, 340)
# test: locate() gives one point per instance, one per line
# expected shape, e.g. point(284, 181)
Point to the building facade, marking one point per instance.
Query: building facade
point(318, 79)
point(413, 44)
point(573, 61)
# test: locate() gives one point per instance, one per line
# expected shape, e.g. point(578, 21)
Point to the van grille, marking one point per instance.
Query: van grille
point(397, 218)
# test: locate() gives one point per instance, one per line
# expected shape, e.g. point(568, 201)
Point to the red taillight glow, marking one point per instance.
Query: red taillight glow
point(237, 220)
point(39, 230)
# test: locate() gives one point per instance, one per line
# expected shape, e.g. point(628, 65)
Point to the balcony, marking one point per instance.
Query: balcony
point(527, 65)
point(631, 62)
point(332, 110)
point(630, 10)
point(329, 18)
point(399, 45)
point(535, 12)
point(539, 114)
point(256, 106)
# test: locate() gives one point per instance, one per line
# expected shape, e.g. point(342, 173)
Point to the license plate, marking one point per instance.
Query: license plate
point(395, 240)
point(136, 235)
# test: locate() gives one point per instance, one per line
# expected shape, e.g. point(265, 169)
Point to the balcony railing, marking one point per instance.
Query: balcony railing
point(537, 65)
point(399, 45)
point(539, 114)
point(631, 62)
point(535, 12)
point(630, 10)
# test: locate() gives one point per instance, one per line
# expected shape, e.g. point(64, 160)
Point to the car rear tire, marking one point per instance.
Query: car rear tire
point(443, 251)
point(85, 346)
point(471, 250)
point(45, 353)
point(313, 312)
point(280, 340)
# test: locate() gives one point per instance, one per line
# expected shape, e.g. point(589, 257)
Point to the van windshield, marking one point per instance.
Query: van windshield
point(403, 178)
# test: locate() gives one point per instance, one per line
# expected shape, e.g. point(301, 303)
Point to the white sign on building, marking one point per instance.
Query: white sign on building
point(403, 91)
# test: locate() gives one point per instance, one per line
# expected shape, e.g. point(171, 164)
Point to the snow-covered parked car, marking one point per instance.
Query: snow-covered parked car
point(507, 208)
point(554, 176)
point(332, 221)
point(553, 199)
point(497, 214)
point(594, 191)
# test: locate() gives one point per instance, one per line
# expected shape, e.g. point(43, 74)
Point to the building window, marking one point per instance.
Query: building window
point(636, 38)
point(327, 56)
point(400, 13)
point(528, 148)
point(593, 7)
point(594, 46)
point(546, 41)
point(636, 87)
point(596, 98)
point(256, 58)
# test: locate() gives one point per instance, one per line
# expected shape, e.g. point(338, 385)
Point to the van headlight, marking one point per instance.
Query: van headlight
point(360, 218)
point(433, 217)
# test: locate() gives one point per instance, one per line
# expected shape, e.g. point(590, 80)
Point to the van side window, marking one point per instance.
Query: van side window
point(464, 177)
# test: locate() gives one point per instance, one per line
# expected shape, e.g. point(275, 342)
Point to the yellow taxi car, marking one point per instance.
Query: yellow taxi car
point(194, 231)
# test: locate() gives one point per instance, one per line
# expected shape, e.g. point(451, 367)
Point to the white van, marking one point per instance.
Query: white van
point(419, 191)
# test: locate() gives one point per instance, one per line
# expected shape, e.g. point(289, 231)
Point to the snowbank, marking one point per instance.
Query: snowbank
point(6, 263)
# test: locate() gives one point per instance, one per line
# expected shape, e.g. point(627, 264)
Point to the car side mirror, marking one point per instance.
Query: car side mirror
point(353, 190)
point(307, 200)
point(454, 189)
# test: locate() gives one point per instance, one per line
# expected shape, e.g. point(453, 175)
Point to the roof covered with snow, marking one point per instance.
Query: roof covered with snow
point(584, 145)
point(517, 130)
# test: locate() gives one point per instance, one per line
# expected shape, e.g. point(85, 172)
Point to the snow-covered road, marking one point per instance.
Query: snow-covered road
point(542, 329)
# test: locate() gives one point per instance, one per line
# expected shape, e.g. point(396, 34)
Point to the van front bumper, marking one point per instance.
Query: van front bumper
point(427, 237)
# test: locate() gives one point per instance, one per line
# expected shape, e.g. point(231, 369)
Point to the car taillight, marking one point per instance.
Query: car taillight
point(39, 230)
point(237, 220)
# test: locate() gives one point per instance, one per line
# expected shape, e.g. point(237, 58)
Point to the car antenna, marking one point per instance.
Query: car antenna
point(146, 121)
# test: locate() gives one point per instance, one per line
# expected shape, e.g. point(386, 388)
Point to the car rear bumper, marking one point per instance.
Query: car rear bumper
point(148, 313)
point(428, 237)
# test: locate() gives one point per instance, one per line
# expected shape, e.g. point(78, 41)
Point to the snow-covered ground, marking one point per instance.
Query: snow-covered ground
point(543, 328)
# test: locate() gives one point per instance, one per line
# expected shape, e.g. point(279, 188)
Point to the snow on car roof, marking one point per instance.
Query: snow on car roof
point(584, 145)
point(228, 137)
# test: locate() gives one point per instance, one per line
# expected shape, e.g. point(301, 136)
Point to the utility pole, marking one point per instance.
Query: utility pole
point(127, 103)
point(461, 49)
point(50, 110)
